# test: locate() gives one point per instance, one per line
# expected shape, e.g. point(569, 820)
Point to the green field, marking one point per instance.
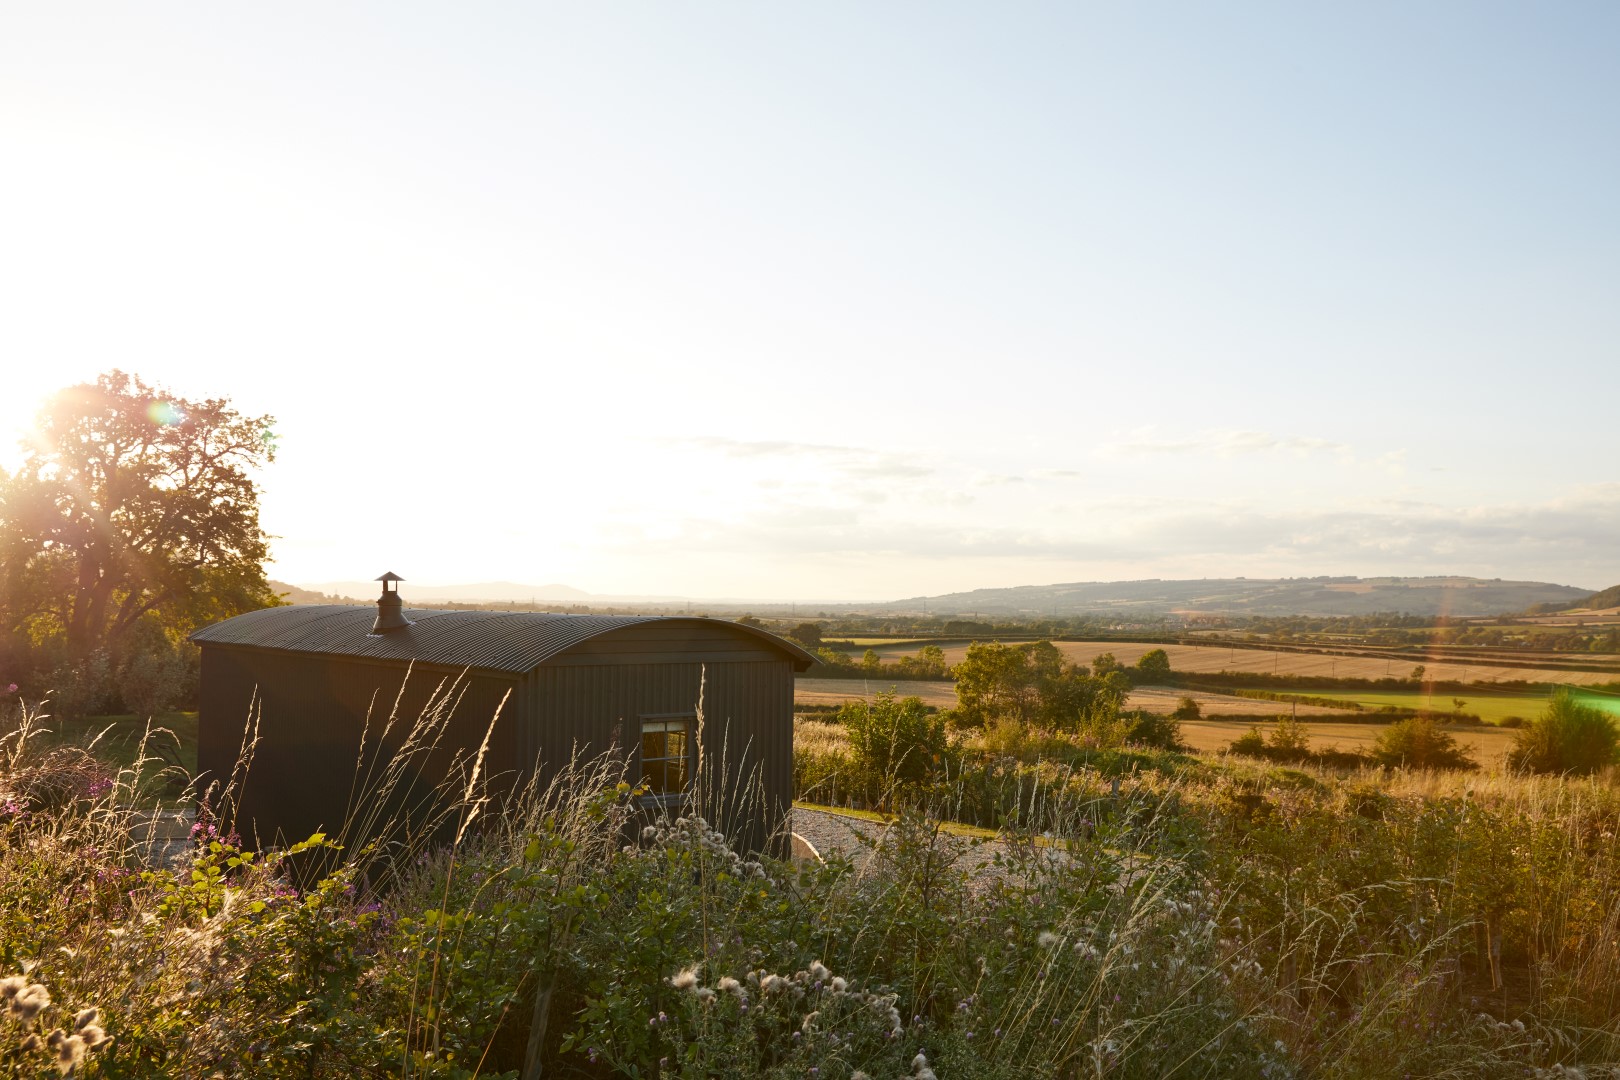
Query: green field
point(120, 738)
point(1492, 708)
point(1609, 703)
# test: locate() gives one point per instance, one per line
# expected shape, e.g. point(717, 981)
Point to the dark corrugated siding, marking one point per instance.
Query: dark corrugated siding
point(585, 698)
point(313, 711)
point(747, 724)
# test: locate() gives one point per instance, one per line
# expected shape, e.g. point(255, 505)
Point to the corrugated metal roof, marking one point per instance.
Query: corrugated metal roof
point(515, 641)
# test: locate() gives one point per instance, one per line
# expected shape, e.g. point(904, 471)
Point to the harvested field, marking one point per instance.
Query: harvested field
point(838, 691)
point(1209, 659)
point(1488, 743)
point(1164, 699)
point(1159, 699)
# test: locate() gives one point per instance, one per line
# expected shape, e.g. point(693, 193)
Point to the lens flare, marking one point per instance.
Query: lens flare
point(164, 413)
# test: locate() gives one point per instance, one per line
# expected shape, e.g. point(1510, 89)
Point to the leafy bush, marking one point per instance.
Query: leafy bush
point(1154, 666)
point(1419, 743)
point(1251, 743)
point(896, 741)
point(1152, 730)
point(1288, 741)
point(1567, 737)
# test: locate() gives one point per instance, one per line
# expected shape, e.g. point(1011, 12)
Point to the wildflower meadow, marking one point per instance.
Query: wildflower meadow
point(1042, 906)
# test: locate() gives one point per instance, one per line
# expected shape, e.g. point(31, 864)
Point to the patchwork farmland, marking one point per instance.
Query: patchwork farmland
point(1212, 659)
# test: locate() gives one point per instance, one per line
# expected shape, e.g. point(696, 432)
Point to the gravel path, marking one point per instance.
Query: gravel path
point(830, 833)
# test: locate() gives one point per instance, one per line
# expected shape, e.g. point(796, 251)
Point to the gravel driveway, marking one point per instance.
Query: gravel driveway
point(828, 833)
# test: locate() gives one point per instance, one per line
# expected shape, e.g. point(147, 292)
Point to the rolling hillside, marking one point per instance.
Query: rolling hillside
point(1257, 596)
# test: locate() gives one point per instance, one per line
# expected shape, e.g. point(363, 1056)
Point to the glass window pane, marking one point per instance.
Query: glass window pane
point(666, 746)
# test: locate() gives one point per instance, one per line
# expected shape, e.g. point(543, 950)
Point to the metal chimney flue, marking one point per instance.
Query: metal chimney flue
point(390, 609)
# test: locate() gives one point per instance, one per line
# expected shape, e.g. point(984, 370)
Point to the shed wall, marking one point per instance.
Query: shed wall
point(747, 730)
point(583, 702)
point(312, 711)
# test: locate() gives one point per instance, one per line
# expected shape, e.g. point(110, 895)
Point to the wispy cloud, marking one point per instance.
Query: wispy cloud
point(851, 460)
point(1222, 443)
point(1574, 532)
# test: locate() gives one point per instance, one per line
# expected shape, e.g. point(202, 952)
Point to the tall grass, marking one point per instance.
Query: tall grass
point(1139, 916)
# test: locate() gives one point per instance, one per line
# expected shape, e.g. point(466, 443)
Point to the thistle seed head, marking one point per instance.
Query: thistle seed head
point(30, 1001)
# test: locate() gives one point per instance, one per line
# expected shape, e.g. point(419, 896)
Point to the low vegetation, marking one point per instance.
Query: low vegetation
point(1143, 913)
point(1568, 737)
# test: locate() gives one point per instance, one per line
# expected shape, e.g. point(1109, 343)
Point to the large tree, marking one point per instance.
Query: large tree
point(1035, 685)
point(132, 504)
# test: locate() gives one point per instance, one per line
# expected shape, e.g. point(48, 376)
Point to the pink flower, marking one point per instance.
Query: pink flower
point(12, 689)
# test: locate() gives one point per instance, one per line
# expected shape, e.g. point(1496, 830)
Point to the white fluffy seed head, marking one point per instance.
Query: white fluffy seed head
point(69, 1054)
point(30, 1001)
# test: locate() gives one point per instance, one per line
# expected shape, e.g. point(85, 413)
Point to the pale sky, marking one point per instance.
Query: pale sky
point(847, 300)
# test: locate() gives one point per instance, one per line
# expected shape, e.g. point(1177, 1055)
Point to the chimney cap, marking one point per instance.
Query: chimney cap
point(390, 576)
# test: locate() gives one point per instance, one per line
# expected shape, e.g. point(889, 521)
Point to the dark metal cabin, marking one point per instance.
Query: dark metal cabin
point(573, 684)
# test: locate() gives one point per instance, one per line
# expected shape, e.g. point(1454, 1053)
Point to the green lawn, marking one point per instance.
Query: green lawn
point(121, 738)
point(1609, 703)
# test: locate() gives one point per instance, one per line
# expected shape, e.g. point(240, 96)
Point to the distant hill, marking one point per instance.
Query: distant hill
point(1608, 598)
point(294, 595)
point(498, 592)
point(1258, 596)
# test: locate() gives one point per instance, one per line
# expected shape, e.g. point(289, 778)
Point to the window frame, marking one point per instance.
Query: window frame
point(687, 759)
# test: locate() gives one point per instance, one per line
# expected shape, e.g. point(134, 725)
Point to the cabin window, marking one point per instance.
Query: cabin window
point(666, 756)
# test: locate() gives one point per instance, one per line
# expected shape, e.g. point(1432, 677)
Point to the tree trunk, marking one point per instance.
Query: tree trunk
point(537, 1030)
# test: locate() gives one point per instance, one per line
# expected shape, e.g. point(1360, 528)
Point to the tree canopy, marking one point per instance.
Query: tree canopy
point(1033, 684)
point(132, 505)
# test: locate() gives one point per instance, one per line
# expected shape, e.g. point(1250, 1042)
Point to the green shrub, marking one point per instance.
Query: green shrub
point(1251, 743)
point(1153, 731)
point(1419, 743)
point(1289, 737)
point(1567, 737)
point(897, 741)
point(1154, 666)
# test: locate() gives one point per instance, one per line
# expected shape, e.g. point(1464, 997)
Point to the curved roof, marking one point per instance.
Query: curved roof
point(512, 641)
